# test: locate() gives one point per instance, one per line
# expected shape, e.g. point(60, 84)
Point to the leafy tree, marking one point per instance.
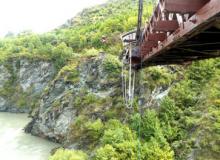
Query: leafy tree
point(115, 132)
point(153, 151)
point(148, 126)
point(61, 53)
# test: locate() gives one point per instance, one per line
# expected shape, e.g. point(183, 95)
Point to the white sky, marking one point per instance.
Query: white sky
point(39, 15)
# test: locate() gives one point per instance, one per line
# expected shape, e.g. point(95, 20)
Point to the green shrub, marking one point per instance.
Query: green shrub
point(112, 65)
point(200, 72)
point(60, 54)
point(94, 130)
point(169, 113)
point(87, 100)
point(153, 151)
point(62, 154)
point(148, 126)
point(126, 150)
point(115, 132)
point(133, 150)
point(70, 72)
point(90, 52)
point(183, 95)
point(106, 153)
point(157, 76)
point(168, 110)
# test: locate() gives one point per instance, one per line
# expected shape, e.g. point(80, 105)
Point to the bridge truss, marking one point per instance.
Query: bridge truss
point(179, 31)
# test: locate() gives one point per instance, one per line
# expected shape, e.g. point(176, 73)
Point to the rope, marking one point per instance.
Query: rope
point(131, 84)
point(130, 73)
point(128, 95)
point(124, 81)
point(133, 88)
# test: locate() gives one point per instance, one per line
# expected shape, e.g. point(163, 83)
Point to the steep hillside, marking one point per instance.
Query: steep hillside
point(72, 76)
point(85, 32)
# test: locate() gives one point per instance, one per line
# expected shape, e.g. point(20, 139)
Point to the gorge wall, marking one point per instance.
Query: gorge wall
point(22, 81)
point(92, 89)
point(76, 105)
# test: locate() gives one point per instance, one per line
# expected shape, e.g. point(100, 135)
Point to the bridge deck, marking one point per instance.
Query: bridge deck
point(179, 32)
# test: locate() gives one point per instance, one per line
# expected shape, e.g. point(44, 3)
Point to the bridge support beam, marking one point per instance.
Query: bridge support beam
point(203, 19)
point(182, 6)
point(166, 26)
point(156, 37)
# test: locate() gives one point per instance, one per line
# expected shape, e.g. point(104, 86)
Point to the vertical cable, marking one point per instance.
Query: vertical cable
point(122, 79)
point(130, 74)
point(139, 24)
point(139, 40)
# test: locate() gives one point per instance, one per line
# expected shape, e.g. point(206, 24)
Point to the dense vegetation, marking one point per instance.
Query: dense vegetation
point(187, 121)
point(82, 35)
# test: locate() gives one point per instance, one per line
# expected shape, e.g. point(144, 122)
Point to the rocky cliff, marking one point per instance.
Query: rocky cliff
point(22, 81)
point(91, 89)
point(79, 89)
point(76, 105)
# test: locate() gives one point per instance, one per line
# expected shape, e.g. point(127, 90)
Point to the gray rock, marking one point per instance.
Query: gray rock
point(2, 104)
point(28, 79)
point(4, 75)
point(56, 112)
point(54, 122)
point(35, 74)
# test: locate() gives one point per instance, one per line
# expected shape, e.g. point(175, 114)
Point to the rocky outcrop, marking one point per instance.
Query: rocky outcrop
point(22, 81)
point(91, 89)
point(58, 107)
point(5, 75)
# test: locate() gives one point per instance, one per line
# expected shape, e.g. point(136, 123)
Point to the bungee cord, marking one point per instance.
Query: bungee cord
point(129, 79)
point(129, 91)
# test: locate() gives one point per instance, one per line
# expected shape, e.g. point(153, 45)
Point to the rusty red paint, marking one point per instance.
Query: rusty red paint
point(173, 32)
point(156, 36)
point(182, 6)
point(166, 26)
point(149, 45)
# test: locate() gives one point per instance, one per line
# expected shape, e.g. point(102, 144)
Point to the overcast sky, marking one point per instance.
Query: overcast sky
point(39, 15)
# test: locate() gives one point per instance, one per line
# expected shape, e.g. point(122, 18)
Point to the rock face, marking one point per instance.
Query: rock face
point(35, 74)
point(5, 75)
point(22, 81)
point(91, 89)
point(58, 108)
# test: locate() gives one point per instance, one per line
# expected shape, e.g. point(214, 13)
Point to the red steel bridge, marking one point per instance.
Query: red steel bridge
point(179, 31)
